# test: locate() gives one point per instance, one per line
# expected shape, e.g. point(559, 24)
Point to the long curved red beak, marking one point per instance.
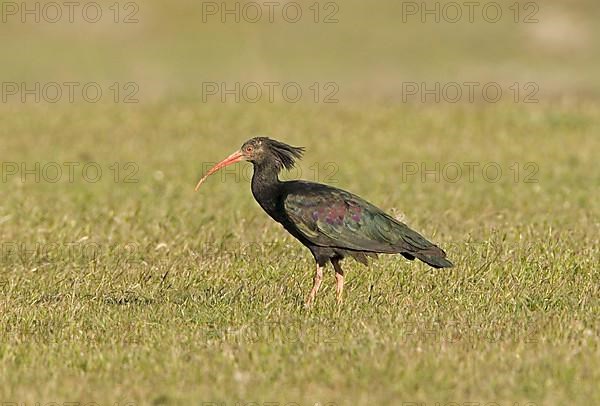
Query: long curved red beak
point(237, 156)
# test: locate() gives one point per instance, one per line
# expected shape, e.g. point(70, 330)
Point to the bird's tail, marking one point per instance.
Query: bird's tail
point(434, 256)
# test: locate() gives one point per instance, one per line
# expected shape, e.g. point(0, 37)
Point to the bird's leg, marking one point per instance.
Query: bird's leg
point(339, 279)
point(316, 283)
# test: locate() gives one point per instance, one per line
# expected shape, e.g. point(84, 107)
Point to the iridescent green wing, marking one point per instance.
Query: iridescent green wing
point(333, 217)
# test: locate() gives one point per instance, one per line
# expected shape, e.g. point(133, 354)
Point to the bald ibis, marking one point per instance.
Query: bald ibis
point(330, 222)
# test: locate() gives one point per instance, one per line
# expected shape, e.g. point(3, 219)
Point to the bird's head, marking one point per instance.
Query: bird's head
point(260, 151)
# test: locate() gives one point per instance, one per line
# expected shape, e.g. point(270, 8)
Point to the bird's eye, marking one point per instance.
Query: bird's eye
point(249, 149)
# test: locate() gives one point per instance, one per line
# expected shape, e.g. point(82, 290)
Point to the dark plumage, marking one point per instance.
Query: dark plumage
point(331, 222)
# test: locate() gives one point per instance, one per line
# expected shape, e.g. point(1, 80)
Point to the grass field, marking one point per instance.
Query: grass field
point(120, 285)
point(115, 291)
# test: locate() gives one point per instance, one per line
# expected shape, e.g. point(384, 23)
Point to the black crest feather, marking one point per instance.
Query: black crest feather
point(285, 154)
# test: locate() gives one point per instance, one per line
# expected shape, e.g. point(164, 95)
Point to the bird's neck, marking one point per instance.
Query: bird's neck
point(266, 186)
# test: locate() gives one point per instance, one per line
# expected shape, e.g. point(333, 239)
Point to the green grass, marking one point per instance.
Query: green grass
point(145, 292)
point(198, 297)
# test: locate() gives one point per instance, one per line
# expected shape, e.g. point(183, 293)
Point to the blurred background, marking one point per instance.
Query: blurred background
point(368, 50)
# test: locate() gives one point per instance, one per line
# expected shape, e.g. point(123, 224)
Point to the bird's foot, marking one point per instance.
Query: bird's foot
point(310, 300)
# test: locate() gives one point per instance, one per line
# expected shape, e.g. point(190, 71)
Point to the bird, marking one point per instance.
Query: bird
point(332, 223)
